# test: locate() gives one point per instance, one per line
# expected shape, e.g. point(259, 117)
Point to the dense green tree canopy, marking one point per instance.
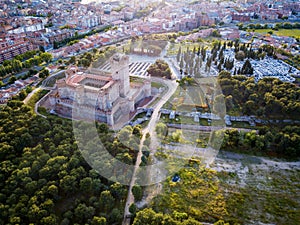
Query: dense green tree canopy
point(160, 69)
point(43, 177)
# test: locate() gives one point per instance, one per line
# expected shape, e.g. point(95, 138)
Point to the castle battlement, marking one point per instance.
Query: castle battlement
point(109, 94)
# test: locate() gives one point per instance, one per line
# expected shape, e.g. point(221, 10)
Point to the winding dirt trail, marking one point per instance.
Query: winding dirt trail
point(171, 85)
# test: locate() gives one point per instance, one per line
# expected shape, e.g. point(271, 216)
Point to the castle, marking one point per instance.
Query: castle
point(97, 95)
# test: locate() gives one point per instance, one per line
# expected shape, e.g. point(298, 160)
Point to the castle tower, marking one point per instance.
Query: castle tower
point(71, 71)
point(120, 71)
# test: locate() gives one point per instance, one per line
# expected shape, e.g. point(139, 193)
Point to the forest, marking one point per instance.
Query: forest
point(44, 178)
point(268, 98)
point(275, 141)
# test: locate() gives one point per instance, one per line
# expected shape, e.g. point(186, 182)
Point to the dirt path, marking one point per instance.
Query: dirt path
point(26, 100)
point(172, 85)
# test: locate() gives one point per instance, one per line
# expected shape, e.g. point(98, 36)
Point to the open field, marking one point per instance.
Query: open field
point(281, 32)
point(186, 99)
point(236, 188)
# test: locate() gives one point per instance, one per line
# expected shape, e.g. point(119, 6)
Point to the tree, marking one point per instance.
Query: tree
point(82, 211)
point(115, 216)
point(247, 68)
point(161, 130)
point(84, 62)
point(215, 33)
point(53, 191)
point(88, 56)
point(180, 216)
point(219, 104)
point(44, 73)
point(191, 221)
point(221, 222)
point(67, 183)
point(124, 134)
point(106, 200)
point(240, 55)
point(118, 191)
point(178, 57)
point(177, 136)
point(86, 184)
point(12, 80)
point(49, 220)
point(137, 131)
point(72, 60)
point(132, 209)
point(22, 95)
point(160, 69)
point(95, 50)
point(181, 64)
point(137, 192)
point(240, 26)
point(145, 216)
point(41, 48)
point(98, 220)
point(41, 166)
point(46, 57)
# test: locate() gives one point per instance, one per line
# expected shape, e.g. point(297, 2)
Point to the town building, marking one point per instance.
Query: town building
point(11, 47)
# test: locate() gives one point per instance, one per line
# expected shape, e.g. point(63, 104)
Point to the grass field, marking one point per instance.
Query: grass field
point(281, 32)
point(157, 85)
point(252, 193)
point(36, 97)
point(186, 99)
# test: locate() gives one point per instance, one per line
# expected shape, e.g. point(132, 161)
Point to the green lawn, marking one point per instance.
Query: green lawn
point(241, 125)
point(186, 100)
point(281, 32)
point(156, 85)
point(137, 80)
point(36, 97)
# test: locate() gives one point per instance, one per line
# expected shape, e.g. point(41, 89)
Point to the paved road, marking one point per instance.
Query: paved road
point(44, 83)
point(36, 107)
point(18, 75)
point(43, 86)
